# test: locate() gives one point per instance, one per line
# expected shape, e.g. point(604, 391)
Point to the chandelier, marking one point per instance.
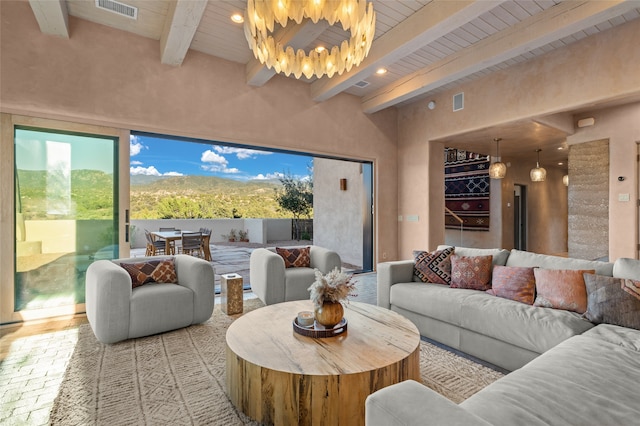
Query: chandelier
point(355, 16)
point(538, 174)
point(497, 170)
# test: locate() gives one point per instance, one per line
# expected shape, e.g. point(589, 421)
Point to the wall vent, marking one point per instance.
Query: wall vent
point(362, 84)
point(458, 101)
point(117, 7)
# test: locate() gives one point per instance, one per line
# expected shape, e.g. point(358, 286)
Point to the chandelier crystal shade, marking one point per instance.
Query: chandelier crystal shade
point(497, 170)
point(356, 16)
point(538, 174)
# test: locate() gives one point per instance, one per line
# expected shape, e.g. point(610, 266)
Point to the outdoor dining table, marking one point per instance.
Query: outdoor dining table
point(169, 236)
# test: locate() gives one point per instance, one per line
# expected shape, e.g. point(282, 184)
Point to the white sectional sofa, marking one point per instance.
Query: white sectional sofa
point(567, 370)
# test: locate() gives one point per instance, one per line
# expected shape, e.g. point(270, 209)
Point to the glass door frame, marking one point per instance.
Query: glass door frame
point(8, 123)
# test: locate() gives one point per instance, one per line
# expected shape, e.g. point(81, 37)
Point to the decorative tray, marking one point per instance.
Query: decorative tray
point(318, 330)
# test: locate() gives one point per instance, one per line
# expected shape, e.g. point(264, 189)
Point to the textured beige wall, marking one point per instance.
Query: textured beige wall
point(589, 200)
point(595, 69)
point(621, 127)
point(109, 77)
point(337, 219)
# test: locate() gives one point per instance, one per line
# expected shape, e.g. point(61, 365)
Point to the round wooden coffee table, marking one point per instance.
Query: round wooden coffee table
point(277, 376)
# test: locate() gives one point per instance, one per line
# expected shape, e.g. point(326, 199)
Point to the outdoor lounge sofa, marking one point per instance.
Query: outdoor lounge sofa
point(567, 370)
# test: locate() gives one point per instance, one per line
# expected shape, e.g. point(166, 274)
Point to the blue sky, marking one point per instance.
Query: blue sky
point(165, 157)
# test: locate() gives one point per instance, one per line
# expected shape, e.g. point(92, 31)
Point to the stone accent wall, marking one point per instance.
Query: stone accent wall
point(589, 200)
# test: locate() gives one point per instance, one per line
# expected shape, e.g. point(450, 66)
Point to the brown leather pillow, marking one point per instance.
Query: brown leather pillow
point(561, 289)
point(514, 282)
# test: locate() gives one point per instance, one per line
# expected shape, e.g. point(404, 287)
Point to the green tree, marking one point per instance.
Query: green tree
point(296, 196)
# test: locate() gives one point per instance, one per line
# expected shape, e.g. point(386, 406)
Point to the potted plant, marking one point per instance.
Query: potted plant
point(328, 292)
point(231, 236)
point(243, 235)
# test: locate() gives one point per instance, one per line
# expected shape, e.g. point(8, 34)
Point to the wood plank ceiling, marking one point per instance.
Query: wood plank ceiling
point(415, 40)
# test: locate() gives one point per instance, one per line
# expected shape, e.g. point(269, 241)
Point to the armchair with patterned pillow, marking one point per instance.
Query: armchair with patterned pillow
point(286, 273)
point(128, 298)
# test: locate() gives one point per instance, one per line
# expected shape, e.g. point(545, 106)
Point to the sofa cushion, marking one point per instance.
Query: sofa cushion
point(513, 282)
point(432, 300)
point(622, 336)
point(296, 283)
point(158, 271)
point(561, 289)
point(627, 268)
point(582, 381)
point(472, 272)
point(433, 267)
point(499, 255)
point(546, 261)
point(609, 300)
point(158, 308)
point(529, 327)
point(295, 257)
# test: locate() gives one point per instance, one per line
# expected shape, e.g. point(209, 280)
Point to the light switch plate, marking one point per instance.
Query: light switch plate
point(623, 197)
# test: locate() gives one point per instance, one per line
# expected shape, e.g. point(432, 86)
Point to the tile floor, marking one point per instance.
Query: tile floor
point(34, 357)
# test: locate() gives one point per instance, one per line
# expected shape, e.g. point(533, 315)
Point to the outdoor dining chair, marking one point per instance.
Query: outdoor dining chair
point(192, 243)
point(154, 247)
point(206, 238)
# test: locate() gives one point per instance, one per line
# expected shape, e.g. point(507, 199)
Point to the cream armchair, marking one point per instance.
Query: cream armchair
point(116, 311)
point(273, 283)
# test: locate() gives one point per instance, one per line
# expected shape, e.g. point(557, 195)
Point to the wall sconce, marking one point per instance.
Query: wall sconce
point(343, 184)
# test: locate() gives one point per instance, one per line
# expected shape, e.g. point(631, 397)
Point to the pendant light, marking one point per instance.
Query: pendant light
point(538, 174)
point(497, 170)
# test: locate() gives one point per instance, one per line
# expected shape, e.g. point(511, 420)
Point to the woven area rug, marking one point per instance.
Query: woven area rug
point(179, 378)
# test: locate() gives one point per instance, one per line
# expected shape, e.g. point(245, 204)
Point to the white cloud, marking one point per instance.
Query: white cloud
point(268, 176)
point(148, 171)
point(135, 146)
point(240, 153)
point(173, 174)
point(216, 163)
point(136, 163)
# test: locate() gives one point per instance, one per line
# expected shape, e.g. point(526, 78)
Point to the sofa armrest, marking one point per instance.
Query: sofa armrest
point(411, 404)
point(107, 300)
point(390, 273)
point(266, 275)
point(197, 275)
point(324, 259)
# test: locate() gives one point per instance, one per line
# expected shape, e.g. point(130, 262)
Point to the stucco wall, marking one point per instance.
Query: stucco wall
point(337, 219)
point(594, 69)
point(108, 77)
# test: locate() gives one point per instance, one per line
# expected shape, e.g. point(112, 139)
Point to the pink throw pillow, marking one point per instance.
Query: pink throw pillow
point(514, 282)
point(561, 289)
point(471, 272)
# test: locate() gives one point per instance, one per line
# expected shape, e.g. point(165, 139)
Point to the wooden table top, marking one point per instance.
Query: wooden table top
point(375, 338)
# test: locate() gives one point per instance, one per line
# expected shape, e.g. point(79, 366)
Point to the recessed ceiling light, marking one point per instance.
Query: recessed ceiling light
point(560, 163)
point(560, 148)
point(381, 71)
point(237, 18)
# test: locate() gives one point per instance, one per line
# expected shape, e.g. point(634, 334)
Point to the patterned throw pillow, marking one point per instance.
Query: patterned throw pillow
point(613, 301)
point(434, 267)
point(514, 282)
point(152, 271)
point(472, 272)
point(296, 257)
point(561, 289)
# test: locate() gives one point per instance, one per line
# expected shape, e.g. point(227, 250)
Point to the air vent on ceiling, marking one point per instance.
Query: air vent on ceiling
point(362, 84)
point(458, 101)
point(117, 7)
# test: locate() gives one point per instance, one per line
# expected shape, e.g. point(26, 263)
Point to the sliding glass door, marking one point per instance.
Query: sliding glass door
point(66, 213)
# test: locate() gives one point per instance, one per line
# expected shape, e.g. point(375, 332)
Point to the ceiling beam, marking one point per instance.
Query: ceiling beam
point(52, 16)
point(296, 36)
point(431, 22)
point(552, 24)
point(180, 26)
